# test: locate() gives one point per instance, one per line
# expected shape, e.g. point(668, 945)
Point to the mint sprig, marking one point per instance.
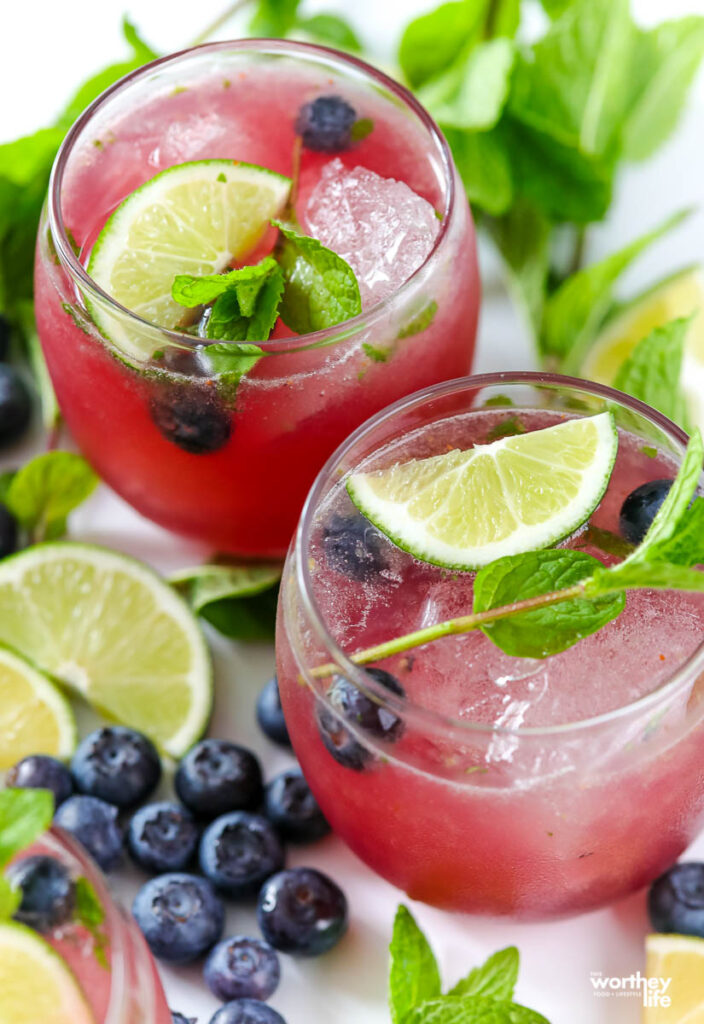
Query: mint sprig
point(25, 814)
point(484, 996)
point(245, 301)
point(653, 370)
point(238, 600)
point(42, 494)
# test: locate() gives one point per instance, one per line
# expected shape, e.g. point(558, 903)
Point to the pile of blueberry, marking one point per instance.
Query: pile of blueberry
point(15, 415)
point(224, 839)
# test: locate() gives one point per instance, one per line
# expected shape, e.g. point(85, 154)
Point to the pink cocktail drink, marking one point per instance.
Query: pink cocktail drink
point(102, 945)
point(408, 236)
point(508, 785)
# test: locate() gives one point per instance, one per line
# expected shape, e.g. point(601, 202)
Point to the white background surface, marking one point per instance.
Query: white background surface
point(49, 48)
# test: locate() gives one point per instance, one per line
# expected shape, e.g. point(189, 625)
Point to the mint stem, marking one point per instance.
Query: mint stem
point(452, 627)
point(219, 22)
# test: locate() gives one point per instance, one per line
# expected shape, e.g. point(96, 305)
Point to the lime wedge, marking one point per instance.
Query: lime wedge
point(679, 295)
point(113, 631)
point(35, 717)
point(194, 218)
point(466, 508)
point(679, 961)
point(35, 983)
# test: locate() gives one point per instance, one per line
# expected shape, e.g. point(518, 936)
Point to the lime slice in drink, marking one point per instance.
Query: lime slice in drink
point(113, 631)
point(35, 717)
point(679, 961)
point(35, 983)
point(682, 294)
point(466, 508)
point(194, 218)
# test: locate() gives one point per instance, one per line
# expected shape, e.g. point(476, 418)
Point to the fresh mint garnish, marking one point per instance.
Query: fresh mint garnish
point(89, 913)
point(25, 814)
point(431, 43)
point(320, 288)
point(332, 30)
point(43, 493)
point(239, 600)
point(420, 322)
point(361, 129)
point(653, 370)
point(484, 996)
point(246, 300)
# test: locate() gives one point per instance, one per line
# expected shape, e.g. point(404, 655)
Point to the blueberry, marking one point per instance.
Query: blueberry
point(217, 776)
point(640, 508)
point(48, 892)
point(352, 547)
point(350, 704)
point(239, 851)
point(5, 336)
point(302, 911)
point(178, 1018)
point(180, 916)
point(242, 968)
point(94, 824)
point(38, 771)
point(270, 714)
point(325, 124)
point(15, 405)
point(163, 837)
point(191, 417)
point(8, 532)
point(246, 1011)
point(676, 900)
point(116, 764)
point(290, 805)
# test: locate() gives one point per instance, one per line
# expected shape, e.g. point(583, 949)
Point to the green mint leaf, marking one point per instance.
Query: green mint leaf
point(509, 427)
point(246, 282)
point(377, 355)
point(6, 479)
point(556, 8)
point(320, 288)
point(645, 576)
point(575, 311)
point(572, 85)
point(274, 17)
point(503, 18)
point(413, 975)
point(472, 93)
point(522, 237)
point(25, 814)
point(496, 978)
point(420, 322)
point(29, 156)
point(141, 50)
point(665, 62)
point(229, 319)
point(332, 30)
point(10, 899)
point(473, 1010)
point(686, 546)
point(432, 42)
point(484, 165)
point(239, 600)
point(674, 508)
point(653, 370)
point(548, 630)
point(89, 913)
point(46, 490)
point(609, 543)
point(361, 129)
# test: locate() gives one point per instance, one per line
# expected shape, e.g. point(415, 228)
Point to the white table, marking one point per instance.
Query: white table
point(51, 51)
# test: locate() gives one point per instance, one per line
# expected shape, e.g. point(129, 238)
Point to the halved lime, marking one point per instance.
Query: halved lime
point(35, 717)
point(36, 985)
point(194, 218)
point(112, 630)
point(464, 509)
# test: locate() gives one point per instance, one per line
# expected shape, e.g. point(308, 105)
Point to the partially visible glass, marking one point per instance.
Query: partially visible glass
point(518, 786)
point(244, 490)
point(109, 959)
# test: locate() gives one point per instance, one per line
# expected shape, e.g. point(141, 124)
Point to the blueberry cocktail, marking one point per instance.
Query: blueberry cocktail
point(534, 760)
point(248, 248)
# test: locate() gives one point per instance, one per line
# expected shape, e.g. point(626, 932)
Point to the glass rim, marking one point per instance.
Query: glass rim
point(427, 719)
point(315, 53)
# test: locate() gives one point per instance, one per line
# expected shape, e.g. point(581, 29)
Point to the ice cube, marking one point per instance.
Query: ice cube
point(381, 227)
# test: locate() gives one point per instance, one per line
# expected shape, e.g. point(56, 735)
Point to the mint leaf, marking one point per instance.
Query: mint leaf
point(653, 370)
point(46, 490)
point(472, 93)
point(674, 508)
point(555, 8)
point(484, 165)
point(320, 288)
point(549, 629)
point(496, 978)
point(25, 814)
point(473, 1010)
point(361, 129)
point(332, 30)
point(10, 899)
point(413, 975)
point(189, 290)
point(89, 913)
point(274, 17)
point(503, 18)
point(666, 59)
point(644, 575)
point(686, 546)
point(522, 236)
point(249, 311)
point(420, 322)
point(575, 311)
point(432, 42)
point(239, 600)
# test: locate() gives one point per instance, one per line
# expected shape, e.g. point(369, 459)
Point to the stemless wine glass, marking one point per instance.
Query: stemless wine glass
point(234, 469)
point(103, 946)
point(474, 780)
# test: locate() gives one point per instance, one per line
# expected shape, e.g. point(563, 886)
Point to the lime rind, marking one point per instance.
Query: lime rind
point(23, 734)
point(45, 970)
point(192, 218)
point(430, 499)
point(109, 628)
